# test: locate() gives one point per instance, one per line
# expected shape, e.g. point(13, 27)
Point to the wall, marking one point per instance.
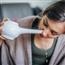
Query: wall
point(40, 3)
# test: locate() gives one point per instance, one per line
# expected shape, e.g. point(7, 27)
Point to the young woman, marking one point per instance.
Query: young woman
point(47, 48)
point(52, 22)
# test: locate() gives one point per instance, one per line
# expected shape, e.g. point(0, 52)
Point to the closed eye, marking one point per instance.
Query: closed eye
point(54, 32)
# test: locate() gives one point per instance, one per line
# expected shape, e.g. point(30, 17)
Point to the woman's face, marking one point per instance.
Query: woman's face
point(51, 28)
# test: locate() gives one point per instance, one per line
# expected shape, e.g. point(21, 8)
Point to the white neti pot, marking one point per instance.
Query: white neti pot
point(11, 30)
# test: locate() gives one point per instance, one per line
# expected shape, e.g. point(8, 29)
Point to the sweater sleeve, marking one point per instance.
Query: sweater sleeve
point(26, 21)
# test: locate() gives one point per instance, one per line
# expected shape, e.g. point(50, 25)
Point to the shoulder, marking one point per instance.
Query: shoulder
point(62, 39)
point(61, 42)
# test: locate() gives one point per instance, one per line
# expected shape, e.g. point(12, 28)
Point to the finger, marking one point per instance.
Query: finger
point(1, 37)
point(4, 20)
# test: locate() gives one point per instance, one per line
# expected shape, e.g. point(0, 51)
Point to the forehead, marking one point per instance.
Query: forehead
point(54, 25)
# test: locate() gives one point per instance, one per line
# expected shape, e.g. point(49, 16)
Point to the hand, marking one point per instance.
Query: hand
point(1, 26)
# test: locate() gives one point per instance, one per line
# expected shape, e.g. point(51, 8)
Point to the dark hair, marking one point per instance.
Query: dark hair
point(56, 11)
point(36, 10)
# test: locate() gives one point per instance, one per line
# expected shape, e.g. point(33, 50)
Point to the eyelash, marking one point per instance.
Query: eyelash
point(53, 32)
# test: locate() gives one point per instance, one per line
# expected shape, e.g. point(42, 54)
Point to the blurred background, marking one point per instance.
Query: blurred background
point(23, 8)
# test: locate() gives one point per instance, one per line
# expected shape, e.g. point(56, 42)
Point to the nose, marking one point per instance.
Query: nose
point(46, 33)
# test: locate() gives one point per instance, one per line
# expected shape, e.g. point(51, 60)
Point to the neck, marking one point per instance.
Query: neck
point(45, 43)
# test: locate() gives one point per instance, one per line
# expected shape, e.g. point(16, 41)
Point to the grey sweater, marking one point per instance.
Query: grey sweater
point(20, 48)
